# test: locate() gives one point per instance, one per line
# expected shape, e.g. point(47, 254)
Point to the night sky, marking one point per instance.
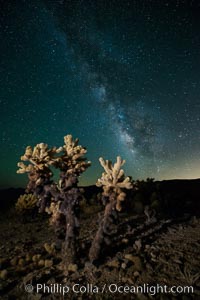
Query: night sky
point(122, 76)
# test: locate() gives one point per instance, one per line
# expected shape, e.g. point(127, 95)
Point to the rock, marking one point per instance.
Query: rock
point(48, 263)
point(4, 274)
point(138, 245)
point(113, 263)
point(21, 262)
point(125, 241)
point(41, 263)
point(135, 260)
point(14, 261)
point(127, 280)
point(28, 257)
point(36, 257)
point(90, 268)
point(123, 265)
point(17, 249)
point(136, 274)
point(72, 267)
point(129, 256)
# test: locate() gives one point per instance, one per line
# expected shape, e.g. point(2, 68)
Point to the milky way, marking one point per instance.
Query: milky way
point(122, 76)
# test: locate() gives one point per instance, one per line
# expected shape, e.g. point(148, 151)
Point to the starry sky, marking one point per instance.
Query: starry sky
point(122, 76)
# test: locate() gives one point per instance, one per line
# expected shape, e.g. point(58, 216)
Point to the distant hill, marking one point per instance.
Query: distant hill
point(180, 195)
point(9, 196)
point(176, 196)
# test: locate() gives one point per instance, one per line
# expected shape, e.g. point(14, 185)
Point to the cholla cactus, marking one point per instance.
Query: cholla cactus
point(26, 202)
point(113, 180)
point(114, 184)
point(38, 161)
point(60, 200)
point(71, 162)
point(56, 215)
point(39, 158)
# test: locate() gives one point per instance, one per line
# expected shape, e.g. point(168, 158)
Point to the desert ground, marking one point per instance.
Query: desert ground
point(156, 243)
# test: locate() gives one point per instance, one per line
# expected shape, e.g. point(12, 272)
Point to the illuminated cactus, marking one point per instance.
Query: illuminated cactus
point(40, 183)
point(60, 200)
point(72, 164)
point(114, 184)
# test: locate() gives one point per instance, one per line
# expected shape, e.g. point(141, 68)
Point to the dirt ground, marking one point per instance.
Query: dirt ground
point(144, 255)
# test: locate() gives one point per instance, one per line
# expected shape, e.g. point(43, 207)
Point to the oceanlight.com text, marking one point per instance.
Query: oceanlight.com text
point(112, 288)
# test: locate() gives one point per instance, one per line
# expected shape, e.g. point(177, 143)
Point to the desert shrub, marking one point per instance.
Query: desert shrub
point(26, 203)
